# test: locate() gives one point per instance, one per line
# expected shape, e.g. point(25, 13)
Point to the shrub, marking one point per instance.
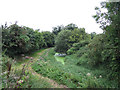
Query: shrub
point(82, 51)
point(82, 60)
point(62, 41)
point(20, 39)
point(71, 50)
point(48, 38)
point(66, 38)
point(95, 49)
point(79, 48)
point(5, 62)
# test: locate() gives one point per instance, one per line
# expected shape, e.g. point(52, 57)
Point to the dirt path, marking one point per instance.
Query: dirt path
point(30, 62)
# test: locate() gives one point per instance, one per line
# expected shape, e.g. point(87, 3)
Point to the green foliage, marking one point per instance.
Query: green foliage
point(95, 49)
point(13, 78)
point(70, 74)
point(71, 51)
point(79, 48)
point(62, 41)
point(66, 38)
point(93, 34)
point(18, 40)
point(81, 51)
point(70, 26)
point(5, 61)
point(22, 78)
point(77, 35)
point(57, 29)
point(90, 50)
point(82, 60)
point(110, 24)
point(36, 82)
point(19, 75)
point(48, 38)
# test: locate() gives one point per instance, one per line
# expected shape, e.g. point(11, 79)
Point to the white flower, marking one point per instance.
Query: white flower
point(31, 58)
point(1, 73)
point(88, 74)
point(100, 76)
point(5, 72)
point(95, 77)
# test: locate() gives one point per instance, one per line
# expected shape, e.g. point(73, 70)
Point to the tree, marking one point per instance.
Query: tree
point(110, 21)
point(62, 41)
point(70, 26)
point(57, 29)
point(78, 35)
point(14, 39)
point(20, 39)
point(93, 34)
point(95, 49)
point(66, 38)
point(48, 39)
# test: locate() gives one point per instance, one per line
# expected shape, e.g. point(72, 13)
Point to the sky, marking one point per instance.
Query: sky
point(45, 14)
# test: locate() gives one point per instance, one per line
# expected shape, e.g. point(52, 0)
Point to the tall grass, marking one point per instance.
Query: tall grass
point(71, 74)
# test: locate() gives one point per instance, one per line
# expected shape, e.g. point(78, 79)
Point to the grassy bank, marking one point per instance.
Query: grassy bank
point(71, 74)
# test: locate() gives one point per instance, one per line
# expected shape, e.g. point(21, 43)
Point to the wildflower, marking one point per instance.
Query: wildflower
point(22, 55)
point(27, 77)
point(14, 60)
point(88, 74)
point(79, 83)
point(31, 58)
point(100, 76)
point(16, 77)
point(95, 77)
point(1, 73)
point(20, 81)
point(33, 73)
point(5, 72)
point(45, 62)
point(27, 57)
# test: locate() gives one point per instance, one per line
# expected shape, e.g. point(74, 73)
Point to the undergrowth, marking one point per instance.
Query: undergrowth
point(71, 74)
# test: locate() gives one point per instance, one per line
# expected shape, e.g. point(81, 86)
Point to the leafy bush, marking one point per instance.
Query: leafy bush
point(5, 62)
point(109, 22)
point(100, 53)
point(66, 38)
point(62, 41)
point(82, 61)
point(48, 38)
point(79, 48)
point(81, 51)
point(20, 39)
point(71, 50)
point(95, 49)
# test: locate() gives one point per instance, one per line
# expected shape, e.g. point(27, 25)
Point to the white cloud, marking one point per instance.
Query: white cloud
point(45, 14)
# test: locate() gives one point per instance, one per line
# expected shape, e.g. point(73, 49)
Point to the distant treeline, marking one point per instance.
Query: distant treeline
point(18, 40)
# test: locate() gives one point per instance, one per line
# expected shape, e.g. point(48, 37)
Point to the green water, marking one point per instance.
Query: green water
point(60, 59)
